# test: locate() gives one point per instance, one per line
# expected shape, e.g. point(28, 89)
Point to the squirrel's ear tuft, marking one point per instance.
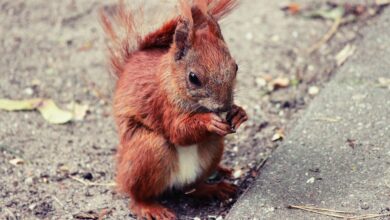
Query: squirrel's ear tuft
point(185, 10)
point(183, 37)
point(202, 5)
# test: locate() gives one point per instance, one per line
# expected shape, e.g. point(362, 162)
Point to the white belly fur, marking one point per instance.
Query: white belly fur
point(188, 166)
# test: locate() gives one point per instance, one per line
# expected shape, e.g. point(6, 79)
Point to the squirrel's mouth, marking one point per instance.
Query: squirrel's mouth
point(219, 111)
point(215, 107)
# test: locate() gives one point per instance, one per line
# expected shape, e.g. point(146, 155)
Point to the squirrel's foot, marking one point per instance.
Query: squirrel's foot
point(151, 211)
point(236, 117)
point(218, 125)
point(222, 191)
point(224, 171)
point(225, 190)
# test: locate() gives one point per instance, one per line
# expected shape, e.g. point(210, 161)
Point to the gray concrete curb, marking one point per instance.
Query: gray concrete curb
point(338, 155)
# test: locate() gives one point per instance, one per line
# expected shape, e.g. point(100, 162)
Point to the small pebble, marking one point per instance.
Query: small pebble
point(249, 36)
point(276, 137)
point(63, 168)
point(49, 71)
point(237, 174)
point(28, 91)
point(88, 193)
point(275, 38)
point(35, 82)
point(269, 209)
point(32, 206)
point(364, 206)
point(313, 90)
point(261, 82)
point(311, 180)
point(29, 181)
point(88, 176)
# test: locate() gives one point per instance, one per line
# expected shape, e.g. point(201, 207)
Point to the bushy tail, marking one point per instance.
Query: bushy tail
point(124, 38)
point(219, 9)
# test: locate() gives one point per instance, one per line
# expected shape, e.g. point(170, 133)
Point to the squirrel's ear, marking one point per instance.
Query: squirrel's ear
point(183, 37)
point(184, 31)
point(214, 28)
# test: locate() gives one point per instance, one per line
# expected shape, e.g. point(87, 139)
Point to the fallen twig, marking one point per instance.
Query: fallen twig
point(87, 183)
point(322, 209)
point(382, 2)
point(261, 164)
point(327, 119)
point(337, 213)
point(58, 201)
point(321, 212)
point(368, 216)
point(333, 29)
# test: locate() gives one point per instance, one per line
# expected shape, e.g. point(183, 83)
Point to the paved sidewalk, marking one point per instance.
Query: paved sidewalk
point(338, 155)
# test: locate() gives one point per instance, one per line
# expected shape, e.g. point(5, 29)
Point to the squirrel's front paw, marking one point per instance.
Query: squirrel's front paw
point(236, 117)
point(218, 125)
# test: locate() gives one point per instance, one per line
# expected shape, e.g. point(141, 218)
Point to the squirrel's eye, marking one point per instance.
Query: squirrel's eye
point(236, 67)
point(194, 79)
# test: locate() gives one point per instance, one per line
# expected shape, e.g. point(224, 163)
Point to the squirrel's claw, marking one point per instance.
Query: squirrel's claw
point(225, 191)
point(152, 211)
point(236, 117)
point(219, 126)
point(222, 191)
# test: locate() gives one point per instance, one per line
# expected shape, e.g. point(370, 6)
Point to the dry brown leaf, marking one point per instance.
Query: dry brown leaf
point(78, 110)
point(18, 105)
point(280, 82)
point(46, 107)
point(52, 113)
point(86, 215)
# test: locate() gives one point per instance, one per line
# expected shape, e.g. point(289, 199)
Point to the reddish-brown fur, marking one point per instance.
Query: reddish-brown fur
point(157, 111)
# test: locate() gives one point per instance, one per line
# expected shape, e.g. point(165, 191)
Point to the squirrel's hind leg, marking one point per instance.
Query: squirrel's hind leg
point(145, 165)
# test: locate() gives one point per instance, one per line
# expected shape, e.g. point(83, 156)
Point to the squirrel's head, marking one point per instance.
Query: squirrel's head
point(204, 70)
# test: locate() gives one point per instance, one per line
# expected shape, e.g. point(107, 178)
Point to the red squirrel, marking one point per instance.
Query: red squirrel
point(172, 86)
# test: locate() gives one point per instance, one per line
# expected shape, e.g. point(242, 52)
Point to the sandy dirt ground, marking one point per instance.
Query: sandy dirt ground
point(55, 49)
